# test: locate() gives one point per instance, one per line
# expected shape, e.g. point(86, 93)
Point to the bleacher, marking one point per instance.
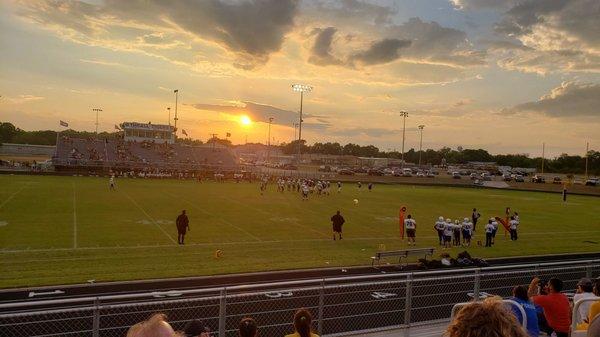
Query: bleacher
point(120, 154)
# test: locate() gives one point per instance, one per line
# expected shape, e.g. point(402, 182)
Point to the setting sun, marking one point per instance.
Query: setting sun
point(245, 120)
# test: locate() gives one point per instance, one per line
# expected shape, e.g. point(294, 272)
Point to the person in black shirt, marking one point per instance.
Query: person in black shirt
point(183, 225)
point(337, 220)
point(474, 217)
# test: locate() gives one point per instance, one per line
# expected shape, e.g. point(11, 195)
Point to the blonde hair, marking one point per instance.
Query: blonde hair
point(490, 318)
point(155, 326)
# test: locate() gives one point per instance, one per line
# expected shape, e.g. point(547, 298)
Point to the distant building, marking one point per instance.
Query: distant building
point(156, 133)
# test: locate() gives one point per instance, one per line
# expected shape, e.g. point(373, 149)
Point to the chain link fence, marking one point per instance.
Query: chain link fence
point(340, 306)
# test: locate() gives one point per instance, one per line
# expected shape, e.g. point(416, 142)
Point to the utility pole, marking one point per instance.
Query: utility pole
point(302, 88)
point(176, 91)
point(269, 139)
point(587, 155)
point(543, 155)
point(421, 143)
point(404, 114)
point(169, 110)
point(96, 110)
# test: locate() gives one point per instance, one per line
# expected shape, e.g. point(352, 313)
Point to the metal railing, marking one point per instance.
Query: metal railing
point(340, 306)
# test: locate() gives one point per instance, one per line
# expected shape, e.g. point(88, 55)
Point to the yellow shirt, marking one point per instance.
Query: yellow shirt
point(594, 311)
point(295, 334)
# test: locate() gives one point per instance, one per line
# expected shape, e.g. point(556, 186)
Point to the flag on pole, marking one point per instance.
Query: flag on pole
point(401, 221)
point(117, 127)
point(65, 124)
point(183, 131)
point(228, 134)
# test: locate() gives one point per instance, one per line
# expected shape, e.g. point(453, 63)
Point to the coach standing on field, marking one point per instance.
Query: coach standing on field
point(183, 225)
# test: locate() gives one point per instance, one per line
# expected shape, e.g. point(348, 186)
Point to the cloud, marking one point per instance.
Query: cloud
point(262, 112)
point(383, 51)
point(570, 99)
point(252, 30)
point(369, 132)
point(103, 63)
point(462, 102)
point(24, 99)
point(351, 11)
point(482, 4)
point(321, 49)
point(559, 35)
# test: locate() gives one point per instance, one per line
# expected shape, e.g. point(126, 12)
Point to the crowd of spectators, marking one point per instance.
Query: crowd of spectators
point(547, 311)
point(157, 326)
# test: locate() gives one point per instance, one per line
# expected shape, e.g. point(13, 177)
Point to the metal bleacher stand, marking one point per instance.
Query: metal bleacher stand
point(400, 254)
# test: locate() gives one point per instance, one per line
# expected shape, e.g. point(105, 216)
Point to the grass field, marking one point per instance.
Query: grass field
point(57, 230)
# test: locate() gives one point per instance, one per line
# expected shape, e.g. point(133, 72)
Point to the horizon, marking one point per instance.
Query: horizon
point(497, 76)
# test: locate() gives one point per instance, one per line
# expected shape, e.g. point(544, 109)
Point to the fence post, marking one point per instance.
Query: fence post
point(477, 286)
point(321, 307)
point(222, 312)
point(408, 305)
point(96, 319)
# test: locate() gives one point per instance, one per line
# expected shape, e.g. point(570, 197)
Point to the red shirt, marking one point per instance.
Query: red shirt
point(556, 310)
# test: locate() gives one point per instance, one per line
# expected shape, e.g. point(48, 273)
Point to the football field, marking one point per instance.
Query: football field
point(58, 230)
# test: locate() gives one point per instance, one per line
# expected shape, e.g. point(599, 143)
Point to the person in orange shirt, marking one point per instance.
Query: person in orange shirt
point(302, 324)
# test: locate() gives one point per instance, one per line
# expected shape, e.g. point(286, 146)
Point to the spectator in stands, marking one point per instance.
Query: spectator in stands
point(302, 324)
point(488, 318)
point(248, 328)
point(594, 309)
point(531, 312)
point(155, 326)
point(585, 289)
point(557, 310)
point(196, 328)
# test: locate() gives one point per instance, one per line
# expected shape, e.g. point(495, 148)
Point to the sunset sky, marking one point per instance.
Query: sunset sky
point(503, 75)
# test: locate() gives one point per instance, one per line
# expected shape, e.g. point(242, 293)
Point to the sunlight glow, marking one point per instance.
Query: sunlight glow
point(245, 120)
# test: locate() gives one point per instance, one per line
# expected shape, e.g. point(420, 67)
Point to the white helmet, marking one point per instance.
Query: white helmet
point(466, 219)
point(441, 218)
point(456, 221)
point(493, 219)
point(448, 220)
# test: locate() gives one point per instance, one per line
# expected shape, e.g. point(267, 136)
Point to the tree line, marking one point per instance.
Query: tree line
point(562, 164)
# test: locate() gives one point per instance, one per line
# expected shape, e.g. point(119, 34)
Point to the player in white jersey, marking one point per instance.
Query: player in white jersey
point(467, 231)
point(489, 231)
point(495, 225)
point(411, 227)
point(111, 183)
point(448, 229)
point(304, 192)
point(439, 227)
point(339, 186)
point(513, 223)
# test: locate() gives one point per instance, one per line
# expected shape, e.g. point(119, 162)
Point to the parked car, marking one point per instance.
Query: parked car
point(289, 167)
point(430, 174)
point(375, 172)
point(421, 174)
point(346, 172)
point(473, 176)
point(486, 177)
point(538, 179)
point(456, 175)
point(557, 180)
point(592, 182)
point(507, 177)
point(519, 178)
point(407, 172)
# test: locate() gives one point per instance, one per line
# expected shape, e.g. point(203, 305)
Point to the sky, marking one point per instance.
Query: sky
point(502, 75)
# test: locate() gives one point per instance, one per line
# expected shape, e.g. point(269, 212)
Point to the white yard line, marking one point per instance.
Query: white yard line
point(13, 195)
point(295, 222)
point(206, 244)
point(218, 218)
point(150, 218)
point(74, 218)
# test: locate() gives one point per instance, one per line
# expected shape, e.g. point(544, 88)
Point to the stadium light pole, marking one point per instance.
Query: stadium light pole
point(301, 88)
point(169, 110)
point(404, 114)
point(176, 91)
point(96, 110)
point(295, 125)
point(421, 127)
point(269, 139)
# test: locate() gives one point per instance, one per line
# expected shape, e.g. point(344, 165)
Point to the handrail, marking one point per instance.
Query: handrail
point(576, 306)
point(348, 279)
point(519, 306)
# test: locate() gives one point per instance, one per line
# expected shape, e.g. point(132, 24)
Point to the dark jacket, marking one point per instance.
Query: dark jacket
point(182, 222)
point(337, 221)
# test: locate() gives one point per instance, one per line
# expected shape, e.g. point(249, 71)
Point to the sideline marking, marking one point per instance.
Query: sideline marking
point(205, 244)
point(74, 217)
point(150, 218)
point(218, 218)
point(13, 195)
